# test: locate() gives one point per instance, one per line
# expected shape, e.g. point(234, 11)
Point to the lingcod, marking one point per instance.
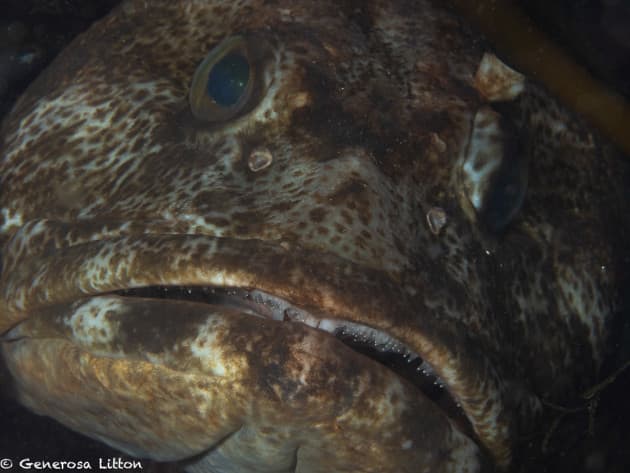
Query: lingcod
point(291, 236)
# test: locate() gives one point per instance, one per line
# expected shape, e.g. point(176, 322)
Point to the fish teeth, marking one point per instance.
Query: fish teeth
point(261, 304)
point(360, 333)
point(381, 341)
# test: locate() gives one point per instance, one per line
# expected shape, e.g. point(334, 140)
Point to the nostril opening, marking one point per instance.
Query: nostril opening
point(259, 159)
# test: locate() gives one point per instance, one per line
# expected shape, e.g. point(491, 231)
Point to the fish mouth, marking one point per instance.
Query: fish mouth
point(347, 309)
point(370, 342)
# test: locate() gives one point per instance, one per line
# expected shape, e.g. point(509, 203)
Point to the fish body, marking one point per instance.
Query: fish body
point(302, 237)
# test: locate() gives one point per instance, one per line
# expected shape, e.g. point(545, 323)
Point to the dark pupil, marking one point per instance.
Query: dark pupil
point(227, 80)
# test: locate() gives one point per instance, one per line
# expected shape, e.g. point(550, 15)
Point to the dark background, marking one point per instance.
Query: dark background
point(596, 33)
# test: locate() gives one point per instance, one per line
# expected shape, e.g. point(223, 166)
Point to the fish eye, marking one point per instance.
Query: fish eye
point(223, 84)
point(228, 79)
point(494, 171)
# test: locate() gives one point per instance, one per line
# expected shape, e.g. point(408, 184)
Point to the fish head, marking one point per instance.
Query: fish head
point(297, 236)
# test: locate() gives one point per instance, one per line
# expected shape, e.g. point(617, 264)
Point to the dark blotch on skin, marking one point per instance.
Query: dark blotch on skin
point(318, 214)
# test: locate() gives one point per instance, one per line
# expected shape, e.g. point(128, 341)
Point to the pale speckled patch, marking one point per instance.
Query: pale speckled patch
point(207, 349)
point(90, 323)
point(580, 297)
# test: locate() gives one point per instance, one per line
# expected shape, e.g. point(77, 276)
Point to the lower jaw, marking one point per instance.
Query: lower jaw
point(368, 341)
point(170, 380)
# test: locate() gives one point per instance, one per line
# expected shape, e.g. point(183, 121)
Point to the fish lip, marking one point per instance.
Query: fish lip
point(338, 287)
point(370, 339)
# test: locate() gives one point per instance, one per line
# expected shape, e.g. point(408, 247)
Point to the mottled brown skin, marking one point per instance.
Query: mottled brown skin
point(110, 182)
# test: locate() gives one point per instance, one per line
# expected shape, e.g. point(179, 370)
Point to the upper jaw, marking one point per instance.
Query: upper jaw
point(341, 292)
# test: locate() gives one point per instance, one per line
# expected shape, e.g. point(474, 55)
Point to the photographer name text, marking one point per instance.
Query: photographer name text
point(121, 464)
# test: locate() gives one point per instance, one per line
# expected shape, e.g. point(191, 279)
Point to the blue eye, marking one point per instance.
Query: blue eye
point(223, 84)
point(228, 80)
